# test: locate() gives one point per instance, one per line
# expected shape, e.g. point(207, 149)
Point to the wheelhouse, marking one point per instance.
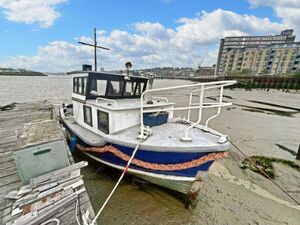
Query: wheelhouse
point(111, 86)
point(108, 103)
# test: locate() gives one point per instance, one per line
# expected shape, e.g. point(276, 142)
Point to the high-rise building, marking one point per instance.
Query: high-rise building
point(274, 59)
point(230, 43)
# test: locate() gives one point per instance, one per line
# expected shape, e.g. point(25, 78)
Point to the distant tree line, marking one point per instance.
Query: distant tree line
point(19, 72)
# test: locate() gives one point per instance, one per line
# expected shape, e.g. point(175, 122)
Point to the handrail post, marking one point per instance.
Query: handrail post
point(186, 136)
point(190, 102)
point(142, 118)
point(219, 110)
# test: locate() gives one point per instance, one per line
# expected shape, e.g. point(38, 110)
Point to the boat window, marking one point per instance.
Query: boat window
point(103, 121)
point(75, 80)
point(84, 84)
point(98, 87)
point(79, 85)
point(87, 115)
point(129, 88)
point(133, 88)
point(139, 89)
point(114, 88)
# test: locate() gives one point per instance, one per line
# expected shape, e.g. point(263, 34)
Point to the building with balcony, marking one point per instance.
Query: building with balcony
point(274, 59)
point(232, 44)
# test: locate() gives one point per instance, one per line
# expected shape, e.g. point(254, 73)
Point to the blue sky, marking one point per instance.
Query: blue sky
point(42, 34)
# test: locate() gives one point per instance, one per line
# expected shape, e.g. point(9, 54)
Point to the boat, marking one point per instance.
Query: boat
point(112, 114)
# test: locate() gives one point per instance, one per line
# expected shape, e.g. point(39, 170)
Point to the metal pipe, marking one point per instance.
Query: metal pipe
point(223, 83)
point(185, 108)
point(219, 110)
point(95, 49)
point(186, 135)
point(210, 85)
point(190, 104)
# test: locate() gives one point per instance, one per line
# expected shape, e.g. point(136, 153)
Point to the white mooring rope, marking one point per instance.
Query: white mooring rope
point(118, 182)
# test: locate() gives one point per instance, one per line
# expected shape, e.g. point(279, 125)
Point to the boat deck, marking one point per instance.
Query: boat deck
point(164, 138)
point(25, 125)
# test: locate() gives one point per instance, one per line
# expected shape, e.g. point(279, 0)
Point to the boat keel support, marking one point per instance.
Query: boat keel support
point(192, 194)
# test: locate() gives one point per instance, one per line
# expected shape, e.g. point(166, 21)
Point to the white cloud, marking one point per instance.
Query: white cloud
point(210, 27)
point(151, 44)
point(55, 56)
point(31, 11)
point(287, 10)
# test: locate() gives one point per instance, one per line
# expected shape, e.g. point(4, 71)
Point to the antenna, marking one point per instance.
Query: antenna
point(128, 65)
point(95, 47)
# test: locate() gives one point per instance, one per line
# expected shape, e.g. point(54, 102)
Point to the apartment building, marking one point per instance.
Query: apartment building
point(275, 59)
point(230, 43)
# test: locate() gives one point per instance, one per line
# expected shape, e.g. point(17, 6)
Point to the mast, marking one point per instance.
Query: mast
point(95, 47)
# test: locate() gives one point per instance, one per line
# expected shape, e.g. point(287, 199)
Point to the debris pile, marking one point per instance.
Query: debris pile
point(47, 195)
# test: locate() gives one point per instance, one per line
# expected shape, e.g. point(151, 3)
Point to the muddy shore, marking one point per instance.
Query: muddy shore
point(231, 195)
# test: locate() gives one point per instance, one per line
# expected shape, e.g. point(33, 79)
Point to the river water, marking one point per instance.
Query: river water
point(99, 181)
point(256, 128)
point(56, 89)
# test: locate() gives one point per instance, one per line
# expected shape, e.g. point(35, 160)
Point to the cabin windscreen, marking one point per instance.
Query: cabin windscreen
point(115, 88)
point(133, 88)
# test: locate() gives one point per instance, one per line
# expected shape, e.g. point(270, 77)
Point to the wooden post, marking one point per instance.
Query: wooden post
point(51, 112)
point(298, 154)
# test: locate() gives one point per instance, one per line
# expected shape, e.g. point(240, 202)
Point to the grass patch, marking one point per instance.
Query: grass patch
point(266, 164)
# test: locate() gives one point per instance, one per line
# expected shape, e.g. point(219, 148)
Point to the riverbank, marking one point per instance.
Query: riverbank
point(231, 195)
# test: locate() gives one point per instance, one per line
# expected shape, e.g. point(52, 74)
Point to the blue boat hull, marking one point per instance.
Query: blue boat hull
point(157, 158)
point(180, 180)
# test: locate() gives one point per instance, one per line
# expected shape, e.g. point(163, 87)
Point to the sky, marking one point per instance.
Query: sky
point(43, 35)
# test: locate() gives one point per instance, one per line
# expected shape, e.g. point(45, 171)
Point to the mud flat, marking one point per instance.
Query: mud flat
point(231, 195)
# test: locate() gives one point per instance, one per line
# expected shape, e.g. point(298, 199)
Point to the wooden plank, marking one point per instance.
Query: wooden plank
point(69, 217)
point(5, 154)
point(7, 158)
point(10, 139)
point(5, 165)
point(48, 176)
point(83, 199)
point(8, 171)
point(7, 188)
point(9, 180)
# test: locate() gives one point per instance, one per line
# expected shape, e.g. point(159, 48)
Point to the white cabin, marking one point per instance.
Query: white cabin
point(109, 103)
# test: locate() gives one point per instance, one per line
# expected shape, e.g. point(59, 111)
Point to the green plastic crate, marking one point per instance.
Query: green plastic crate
point(38, 160)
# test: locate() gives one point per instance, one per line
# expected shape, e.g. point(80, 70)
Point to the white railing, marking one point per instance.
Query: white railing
point(200, 105)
